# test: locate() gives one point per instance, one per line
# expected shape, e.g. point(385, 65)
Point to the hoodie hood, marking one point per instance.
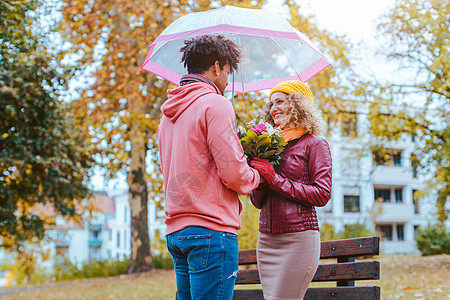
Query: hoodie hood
point(180, 98)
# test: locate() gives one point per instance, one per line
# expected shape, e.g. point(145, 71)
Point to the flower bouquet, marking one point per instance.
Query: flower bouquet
point(261, 140)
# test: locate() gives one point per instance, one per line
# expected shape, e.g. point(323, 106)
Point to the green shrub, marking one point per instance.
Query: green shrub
point(433, 240)
point(164, 262)
point(327, 232)
point(100, 268)
point(104, 268)
point(355, 230)
point(66, 271)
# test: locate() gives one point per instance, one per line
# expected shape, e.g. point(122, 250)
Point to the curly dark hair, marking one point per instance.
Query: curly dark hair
point(200, 53)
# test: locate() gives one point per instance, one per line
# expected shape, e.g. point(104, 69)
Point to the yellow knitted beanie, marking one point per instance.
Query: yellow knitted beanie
point(293, 86)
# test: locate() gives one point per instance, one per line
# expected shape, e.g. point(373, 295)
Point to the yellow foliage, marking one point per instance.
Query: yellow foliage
point(403, 28)
point(248, 234)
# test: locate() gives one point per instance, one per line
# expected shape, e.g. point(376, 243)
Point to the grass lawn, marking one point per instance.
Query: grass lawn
point(402, 277)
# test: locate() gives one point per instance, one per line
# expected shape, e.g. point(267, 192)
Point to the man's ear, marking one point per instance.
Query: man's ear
point(216, 67)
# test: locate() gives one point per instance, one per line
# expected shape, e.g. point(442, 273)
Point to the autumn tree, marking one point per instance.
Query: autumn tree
point(416, 102)
point(44, 157)
point(121, 109)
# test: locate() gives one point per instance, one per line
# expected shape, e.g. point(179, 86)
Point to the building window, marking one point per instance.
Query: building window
point(384, 194)
point(397, 159)
point(349, 124)
point(351, 203)
point(386, 157)
point(389, 195)
point(110, 234)
point(125, 214)
point(386, 231)
point(124, 238)
point(400, 232)
point(118, 240)
point(60, 235)
point(95, 235)
point(416, 230)
point(416, 202)
point(399, 195)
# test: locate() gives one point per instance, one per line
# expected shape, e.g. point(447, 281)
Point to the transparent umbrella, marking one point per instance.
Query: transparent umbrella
point(272, 50)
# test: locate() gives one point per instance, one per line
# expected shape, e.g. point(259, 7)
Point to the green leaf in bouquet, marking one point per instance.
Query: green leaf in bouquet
point(267, 154)
point(265, 135)
point(249, 149)
point(263, 142)
point(252, 135)
point(245, 146)
point(253, 150)
point(246, 139)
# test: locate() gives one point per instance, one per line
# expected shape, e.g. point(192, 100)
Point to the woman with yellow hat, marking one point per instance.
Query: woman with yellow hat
point(288, 247)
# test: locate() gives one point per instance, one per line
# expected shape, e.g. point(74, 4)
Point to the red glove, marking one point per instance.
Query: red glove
point(264, 168)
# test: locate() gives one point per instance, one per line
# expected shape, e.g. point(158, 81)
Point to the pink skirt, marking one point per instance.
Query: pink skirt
point(287, 263)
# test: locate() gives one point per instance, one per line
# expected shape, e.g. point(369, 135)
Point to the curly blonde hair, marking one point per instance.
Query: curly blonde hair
point(302, 113)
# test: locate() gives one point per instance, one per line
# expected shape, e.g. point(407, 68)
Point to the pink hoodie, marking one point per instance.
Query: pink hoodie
point(202, 160)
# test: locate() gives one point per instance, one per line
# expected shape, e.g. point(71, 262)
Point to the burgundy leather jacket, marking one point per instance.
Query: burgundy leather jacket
point(303, 181)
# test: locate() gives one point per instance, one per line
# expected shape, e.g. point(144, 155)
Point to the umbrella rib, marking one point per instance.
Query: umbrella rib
point(293, 65)
point(240, 67)
point(241, 73)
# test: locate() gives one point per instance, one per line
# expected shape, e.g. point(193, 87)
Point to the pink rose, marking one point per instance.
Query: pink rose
point(259, 129)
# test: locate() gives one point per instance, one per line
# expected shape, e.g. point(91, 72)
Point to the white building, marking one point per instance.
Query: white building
point(104, 236)
point(85, 241)
point(376, 188)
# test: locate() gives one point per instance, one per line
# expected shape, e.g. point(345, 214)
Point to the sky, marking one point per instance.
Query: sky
point(353, 18)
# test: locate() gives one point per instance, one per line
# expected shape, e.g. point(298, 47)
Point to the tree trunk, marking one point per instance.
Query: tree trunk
point(140, 258)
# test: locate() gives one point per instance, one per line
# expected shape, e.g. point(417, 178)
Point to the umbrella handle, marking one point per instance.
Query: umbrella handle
point(232, 94)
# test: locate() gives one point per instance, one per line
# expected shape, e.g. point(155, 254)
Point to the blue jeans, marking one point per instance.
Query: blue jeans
point(206, 262)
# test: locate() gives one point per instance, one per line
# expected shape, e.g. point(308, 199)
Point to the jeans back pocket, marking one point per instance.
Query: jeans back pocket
point(196, 247)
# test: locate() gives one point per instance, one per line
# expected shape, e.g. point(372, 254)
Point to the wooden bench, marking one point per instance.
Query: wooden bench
point(344, 272)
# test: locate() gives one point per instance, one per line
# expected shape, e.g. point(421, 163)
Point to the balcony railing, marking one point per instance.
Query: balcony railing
point(95, 243)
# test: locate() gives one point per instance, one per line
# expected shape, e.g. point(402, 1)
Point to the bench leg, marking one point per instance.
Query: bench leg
point(346, 282)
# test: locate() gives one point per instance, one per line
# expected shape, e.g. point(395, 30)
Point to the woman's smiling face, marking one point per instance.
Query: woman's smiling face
point(278, 108)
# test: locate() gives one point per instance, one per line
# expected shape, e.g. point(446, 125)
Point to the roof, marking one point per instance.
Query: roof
point(103, 203)
point(98, 202)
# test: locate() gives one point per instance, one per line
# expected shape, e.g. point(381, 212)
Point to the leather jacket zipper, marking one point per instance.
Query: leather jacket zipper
point(271, 215)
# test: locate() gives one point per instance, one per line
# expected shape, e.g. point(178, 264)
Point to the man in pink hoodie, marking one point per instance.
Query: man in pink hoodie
point(204, 170)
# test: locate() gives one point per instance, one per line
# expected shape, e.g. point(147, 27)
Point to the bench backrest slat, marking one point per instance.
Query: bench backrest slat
point(350, 247)
point(330, 249)
point(365, 270)
point(335, 293)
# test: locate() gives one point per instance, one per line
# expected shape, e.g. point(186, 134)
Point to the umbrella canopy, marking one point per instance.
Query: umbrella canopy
point(272, 50)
